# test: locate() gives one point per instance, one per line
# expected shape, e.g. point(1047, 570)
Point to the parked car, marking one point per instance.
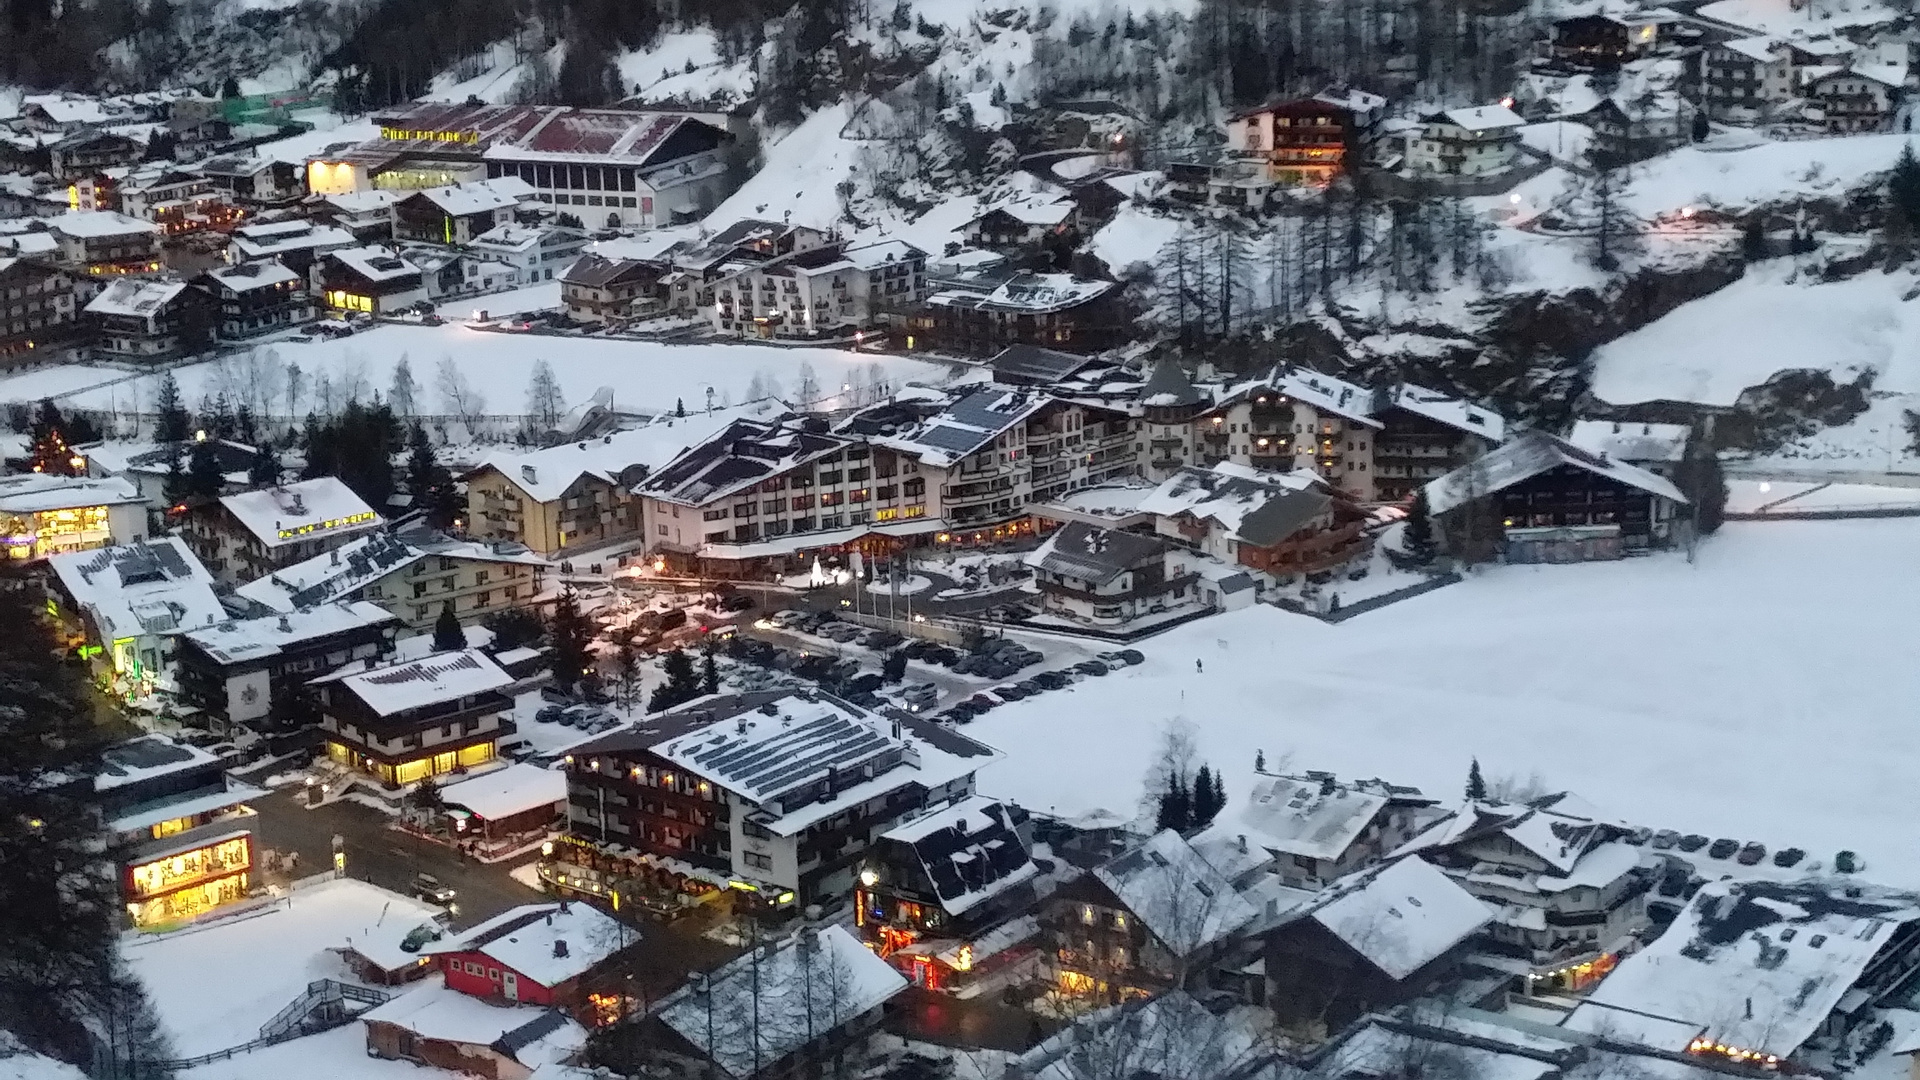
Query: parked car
point(882, 639)
point(1664, 839)
point(1751, 853)
point(1723, 848)
point(1638, 837)
point(549, 713)
point(786, 617)
point(864, 684)
point(737, 602)
point(1788, 856)
point(1091, 667)
point(1012, 692)
point(433, 891)
point(1033, 685)
point(1054, 680)
point(1692, 842)
point(959, 713)
point(555, 695)
point(1131, 656)
point(983, 702)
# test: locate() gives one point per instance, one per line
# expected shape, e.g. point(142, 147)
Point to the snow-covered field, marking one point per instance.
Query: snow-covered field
point(644, 376)
point(1711, 349)
point(1764, 693)
point(215, 985)
point(332, 1055)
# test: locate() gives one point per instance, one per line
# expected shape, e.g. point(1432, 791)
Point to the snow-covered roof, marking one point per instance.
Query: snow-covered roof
point(1664, 443)
point(800, 759)
point(1032, 211)
point(1176, 893)
point(274, 238)
point(761, 1008)
point(876, 255)
point(478, 197)
point(1633, 1027)
point(969, 851)
point(1352, 99)
point(143, 816)
point(1402, 916)
point(546, 475)
point(153, 587)
point(972, 422)
point(1528, 456)
point(301, 511)
point(513, 236)
point(1168, 385)
point(260, 274)
point(135, 297)
point(1028, 292)
point(254, 639)
point(69, 108)
point(1327, 394)
point(1095, 555)
point(375, 263)
point(504, 792)
point(1384, 1048)
point(364, 202)
point(740, 455)
point(1450, 411)
point(1763, 49)
point(548, 943)
point(82, 224)
point(1559, 830)
point(1308, 816)
point(432, 680)
point(367, 559)
point(529, 1034)
point(1482, 118)
point(1164, 1036)
point(1760, 965)
point(34, 493)
point(145, 758)
point(1255, 506)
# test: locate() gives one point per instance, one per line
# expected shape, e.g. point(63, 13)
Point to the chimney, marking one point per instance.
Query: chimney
point(285, 626)
point(563, 907)
point(1749, 1008)
point(1243, 843)
point(529, 474)
point(559, 948)
point(549, 918)
point(336, 556)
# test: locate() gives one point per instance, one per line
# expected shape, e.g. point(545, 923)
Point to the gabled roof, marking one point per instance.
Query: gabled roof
point(1176, 893)
point(30, 493)
point(1401, 916)
point(548, 943)
point(1632, 442)
point(969, 851)
point(761, 1008)
point(137, 297)
point(1308, 816)
point(1095, 555)
point(478, 197)
point(1168, 385)
point(1558, 829)
point(263, 241)
point(241, 640)
point(375, 263)
point(1760, 965)
point(1327, 394)
point(969, 424)
point(742, 454)
point(1461, 415)
point(1528, 456)
point(1253, 506)
point(1167, 1036)
point(1034, 366)
point(301, 511)
point(248, 276)
point(528, 1034)
point(154, 587)
point(94, 223)
point(1481, 118)
point(434, 680)
point(598, 271)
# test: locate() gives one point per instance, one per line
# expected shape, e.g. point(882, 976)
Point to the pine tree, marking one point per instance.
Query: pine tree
point(570, 634)
point(49, 449)
point(447, 633)
point(1417, 538)
point(429, 482)
point(709, 674)
point(626, 673)
point(1903, 191)
point(894, 668)
point(1259, 761)
point(1753, 239)
point(1176, 806)
point(1476, 784)
point(1207, 797)
point(204, 478)
point(174, 488)
point(265, 470)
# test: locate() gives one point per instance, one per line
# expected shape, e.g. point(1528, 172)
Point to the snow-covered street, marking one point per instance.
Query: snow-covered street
point(1763, 693)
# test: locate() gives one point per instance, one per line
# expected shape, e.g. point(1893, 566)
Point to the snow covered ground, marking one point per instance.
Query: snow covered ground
point(686, 66)
point(1767, 172)
point(645, 376)
point(1770, 320)
point(328, 128)
point(513, 302)
point(1783, 17)
point(1763, 693)
point(331, 1055)
point(215, 985)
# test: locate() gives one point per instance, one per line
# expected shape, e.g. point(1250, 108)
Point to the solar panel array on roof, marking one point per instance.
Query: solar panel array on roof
point(766, 766)
point(957, 440)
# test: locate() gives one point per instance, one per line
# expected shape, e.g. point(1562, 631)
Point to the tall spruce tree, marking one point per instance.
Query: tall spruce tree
point(174, 422)
point(569, 633)
point(1176, 805)
point(447, 633)
point(204, 477)
point(265, 470)
point(1417, 538)
point(429, 482)
point(49, 449)
point(1476, 784)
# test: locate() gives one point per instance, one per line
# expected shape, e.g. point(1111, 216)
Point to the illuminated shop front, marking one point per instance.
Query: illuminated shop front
point(413, 769)
point(190, 878)
point(33, 535)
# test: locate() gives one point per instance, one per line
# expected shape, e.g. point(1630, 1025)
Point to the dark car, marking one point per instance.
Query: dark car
point(1664, 839)
point(882, 639)
point(1091, 667)
point(1012, 692)
point(1723, 848)
point(864, 684)
point(981, 703)
point(736, 602)
point(555, 695)
point(1033, 685)
point(942, 655)
point(549, 713)
point(1751, 853)
point(433, 891)
point(1639, 836)
point(918, 648)
point(1692, 842)
point(1788, 856)
point(1131, 656)
point(1054, 680)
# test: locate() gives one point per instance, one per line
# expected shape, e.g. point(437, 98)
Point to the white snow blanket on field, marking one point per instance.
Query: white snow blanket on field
point(1764, 693)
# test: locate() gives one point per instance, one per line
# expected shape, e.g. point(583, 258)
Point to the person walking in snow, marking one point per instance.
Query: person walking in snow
point(1198, 667)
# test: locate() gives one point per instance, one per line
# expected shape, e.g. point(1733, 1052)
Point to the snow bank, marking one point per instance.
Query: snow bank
point(1761, 693)
point(1769, 172)
point(645, 376)
point(801, 176)
point(1780, 17)
point(214, 986)
point(1134, 235)
point(1709, 350)
point(659, 72)
point(330, 1055)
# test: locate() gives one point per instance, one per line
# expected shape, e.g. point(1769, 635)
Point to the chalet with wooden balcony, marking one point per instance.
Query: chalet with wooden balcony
point(776, 796)
point(1282, 524)
point(1142, 923)
point(1423, 435)
point(1305, 140)
point(1540, 498)
point(1107, 578)
point(441, 714)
